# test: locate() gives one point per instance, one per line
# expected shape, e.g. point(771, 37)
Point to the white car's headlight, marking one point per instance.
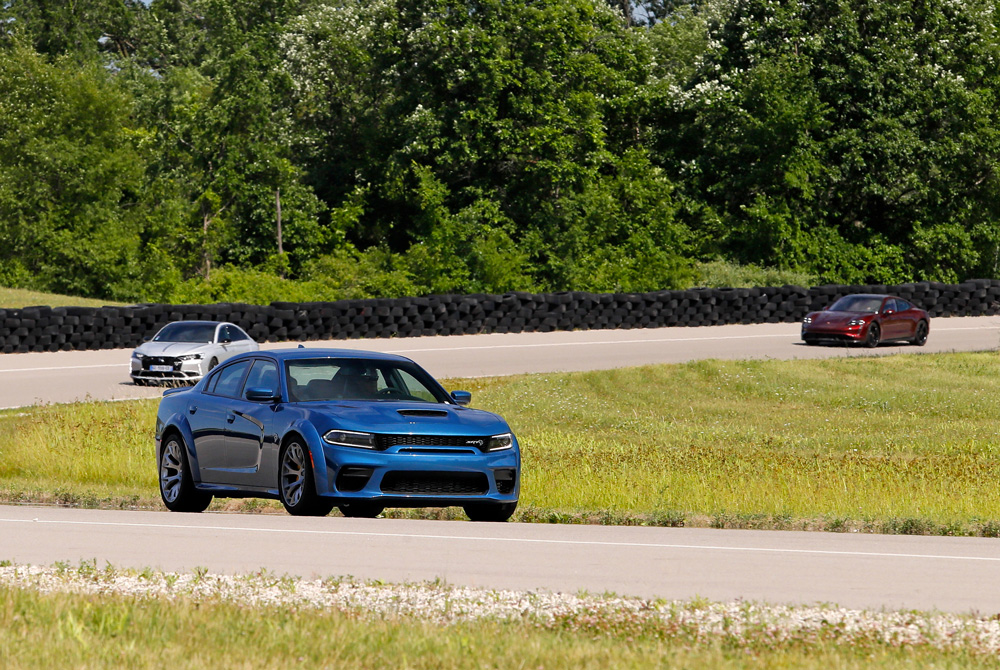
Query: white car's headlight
point(136, 355)
point(500, 442)
point(349, 438)
point(189, 357)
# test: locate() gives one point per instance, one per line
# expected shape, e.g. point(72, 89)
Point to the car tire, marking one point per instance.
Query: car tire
point(361, 510)
point(177, 488)
point(920, 337)
point(297, 484)
point(498, 512)
point(874, 336)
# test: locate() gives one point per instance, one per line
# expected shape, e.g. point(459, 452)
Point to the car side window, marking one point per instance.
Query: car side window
point(902, 305)
point(263, 374)
point(228, 381)
point(237, 334)
point(890, 305)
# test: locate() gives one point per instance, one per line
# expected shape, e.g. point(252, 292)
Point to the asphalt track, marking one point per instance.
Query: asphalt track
point(853, 570)
point(66, 376)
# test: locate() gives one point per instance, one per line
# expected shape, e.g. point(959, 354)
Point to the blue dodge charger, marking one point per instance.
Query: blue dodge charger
point(325, 428)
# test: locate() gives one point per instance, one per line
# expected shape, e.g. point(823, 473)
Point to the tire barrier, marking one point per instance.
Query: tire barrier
point(76, 328)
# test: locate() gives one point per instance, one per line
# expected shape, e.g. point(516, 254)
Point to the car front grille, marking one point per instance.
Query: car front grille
point(436, 483)
point(148, 361)
point(383, 442)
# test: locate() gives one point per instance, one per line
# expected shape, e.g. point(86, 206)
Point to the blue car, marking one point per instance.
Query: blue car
point(325, 428)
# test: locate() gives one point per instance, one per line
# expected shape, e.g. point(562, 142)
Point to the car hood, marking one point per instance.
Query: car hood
point(172, 348)
point(837, 318)
point(404, 417)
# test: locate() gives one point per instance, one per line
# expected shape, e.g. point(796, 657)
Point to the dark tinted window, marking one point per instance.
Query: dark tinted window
point(263, 375)
point(902, 305)
point(890, 305)
point(325, 379)
point(229, 380)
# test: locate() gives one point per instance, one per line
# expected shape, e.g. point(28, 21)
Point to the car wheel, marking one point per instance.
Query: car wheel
point(490, 511)
point(361, 510)
point(176, 486)
point(920, 337)
point(874, 336)
point(296, 486)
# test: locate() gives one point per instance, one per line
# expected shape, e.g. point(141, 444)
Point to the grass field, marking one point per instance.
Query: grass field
point(16, 298)
point(900, 444)
point(92, 617)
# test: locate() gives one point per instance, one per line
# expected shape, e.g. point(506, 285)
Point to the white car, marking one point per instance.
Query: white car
point(184, 351)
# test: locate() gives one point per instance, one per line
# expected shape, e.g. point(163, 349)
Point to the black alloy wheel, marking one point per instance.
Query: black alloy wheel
point(874, 336)
point(920, 337)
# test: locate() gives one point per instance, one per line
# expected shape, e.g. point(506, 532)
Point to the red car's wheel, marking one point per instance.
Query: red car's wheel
point(920, 337)
point(874, 336)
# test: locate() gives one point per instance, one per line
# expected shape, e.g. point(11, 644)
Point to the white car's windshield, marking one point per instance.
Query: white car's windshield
point(186, 332)
point(327, 379)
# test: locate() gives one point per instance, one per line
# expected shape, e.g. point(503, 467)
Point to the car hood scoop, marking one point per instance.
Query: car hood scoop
point(429, 413)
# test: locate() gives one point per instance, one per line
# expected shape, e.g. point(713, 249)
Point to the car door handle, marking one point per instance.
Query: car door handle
point(230, 417)
point(192, 409)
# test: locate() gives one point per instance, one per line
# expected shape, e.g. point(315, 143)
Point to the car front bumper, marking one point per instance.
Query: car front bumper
point(164, 369)
point(413, 478)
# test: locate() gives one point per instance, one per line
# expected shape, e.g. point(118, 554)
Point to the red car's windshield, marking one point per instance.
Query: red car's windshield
point(857, 303)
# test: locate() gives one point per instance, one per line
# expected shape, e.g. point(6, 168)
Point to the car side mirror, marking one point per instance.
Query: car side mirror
point(263, 395)
point(461, 397)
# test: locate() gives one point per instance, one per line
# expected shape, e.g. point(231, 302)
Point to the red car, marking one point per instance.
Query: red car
point(869, 320)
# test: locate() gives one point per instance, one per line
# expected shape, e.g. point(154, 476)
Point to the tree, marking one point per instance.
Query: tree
point(845, 137)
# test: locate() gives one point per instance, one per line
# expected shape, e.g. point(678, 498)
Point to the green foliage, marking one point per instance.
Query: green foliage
point(71, 181)
point(842, 137)
point(722, 274)
point(429, 146)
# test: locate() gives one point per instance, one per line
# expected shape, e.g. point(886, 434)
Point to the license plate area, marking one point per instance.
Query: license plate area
point(161, 368)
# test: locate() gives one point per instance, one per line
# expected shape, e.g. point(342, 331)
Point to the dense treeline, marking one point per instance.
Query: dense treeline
point(202, 150)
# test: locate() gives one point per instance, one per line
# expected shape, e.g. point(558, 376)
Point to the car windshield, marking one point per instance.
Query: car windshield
point(325, 379)
point(857, 303)
point(186, 332)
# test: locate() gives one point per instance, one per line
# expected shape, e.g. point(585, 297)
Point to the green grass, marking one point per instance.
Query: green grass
point(899, 444)
point(16, 298)
point(43, 631)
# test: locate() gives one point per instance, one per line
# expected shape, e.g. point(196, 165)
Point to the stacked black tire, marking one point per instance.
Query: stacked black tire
point(69, 328)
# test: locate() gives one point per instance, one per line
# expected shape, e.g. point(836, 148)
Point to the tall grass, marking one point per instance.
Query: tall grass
point(43, 631)
point(894, 444)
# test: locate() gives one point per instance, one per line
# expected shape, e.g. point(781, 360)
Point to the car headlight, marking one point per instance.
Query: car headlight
point(189, 357)
point(500, 442)
point(349, 438)
point(856, 322)
point(808, 319)
point(136, 355)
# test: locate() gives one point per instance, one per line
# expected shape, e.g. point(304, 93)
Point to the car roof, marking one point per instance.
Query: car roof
point(869, 295)
point(200, 322)
point(319, 352)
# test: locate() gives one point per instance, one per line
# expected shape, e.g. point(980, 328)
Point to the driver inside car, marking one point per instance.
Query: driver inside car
point(359, 383)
